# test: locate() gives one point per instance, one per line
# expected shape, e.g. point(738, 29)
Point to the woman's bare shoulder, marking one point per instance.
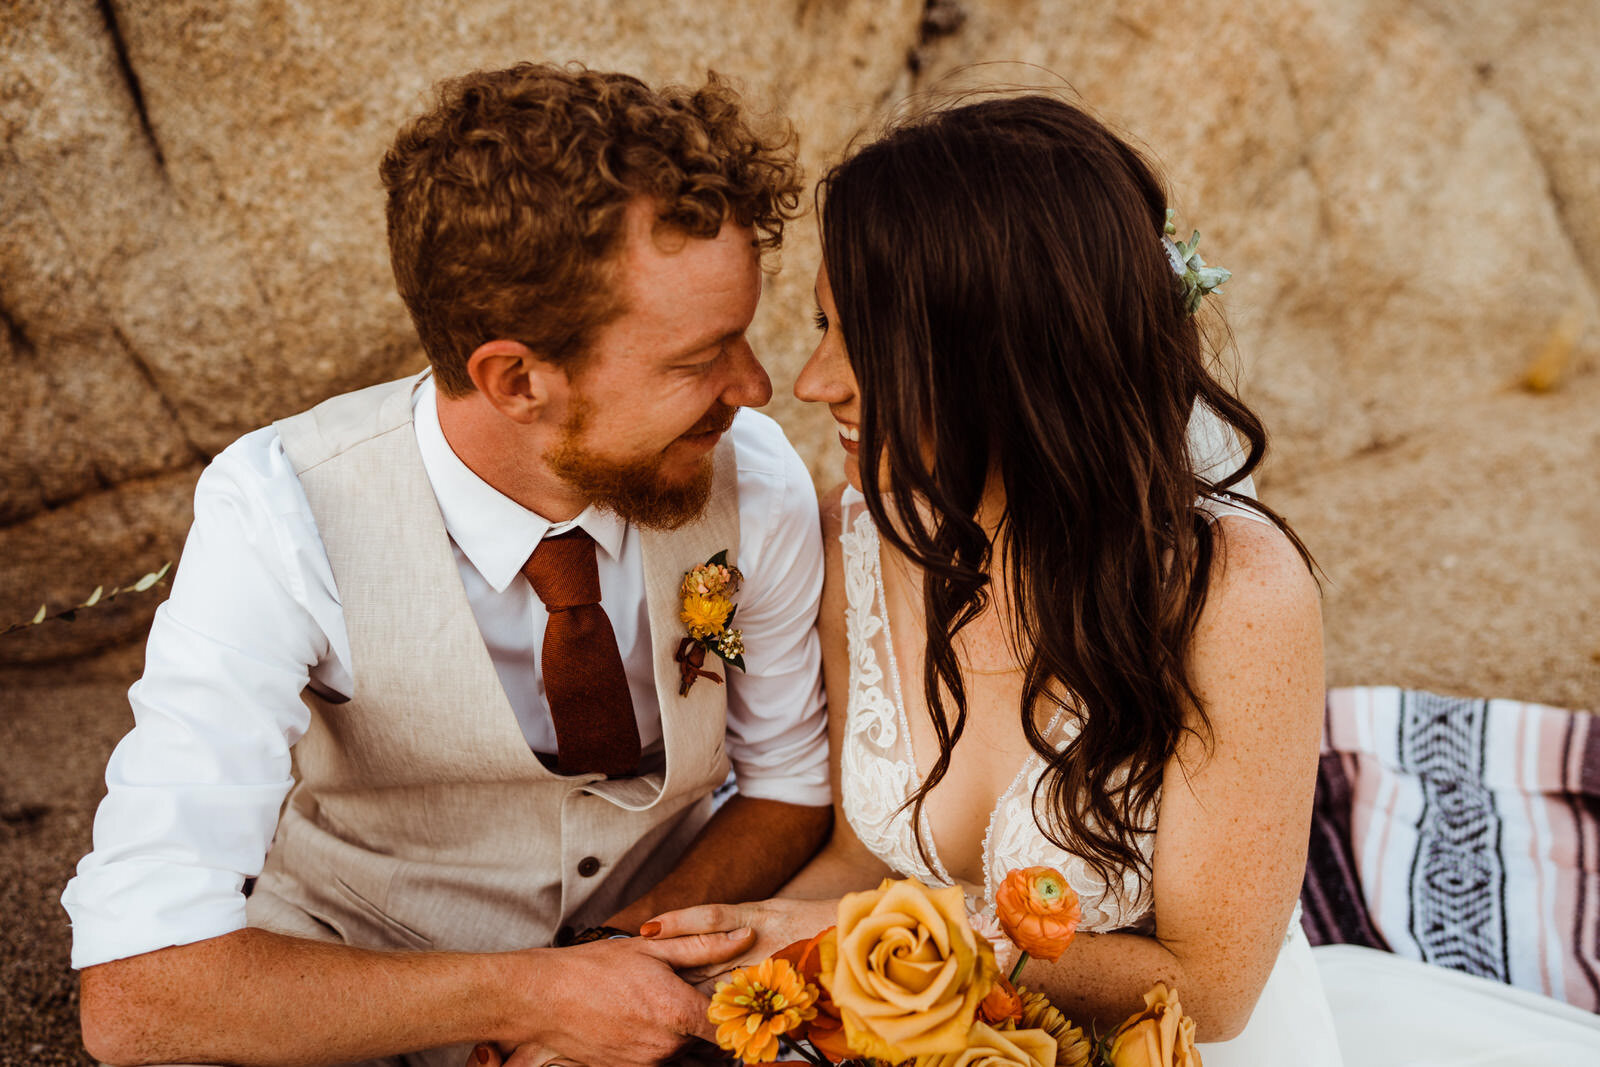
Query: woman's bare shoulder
point(1258, 570)
point(1257, 649)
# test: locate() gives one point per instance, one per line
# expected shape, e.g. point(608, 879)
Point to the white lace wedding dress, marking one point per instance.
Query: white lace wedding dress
point(1291, 1023)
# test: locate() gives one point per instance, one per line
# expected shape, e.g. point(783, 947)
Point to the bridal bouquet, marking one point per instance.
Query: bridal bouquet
point(904, 979)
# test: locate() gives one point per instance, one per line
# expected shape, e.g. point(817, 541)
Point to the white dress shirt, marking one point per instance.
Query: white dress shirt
point(195, 788)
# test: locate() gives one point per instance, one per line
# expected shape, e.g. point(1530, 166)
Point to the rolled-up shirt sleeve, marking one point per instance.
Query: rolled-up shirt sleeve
point(777, 716)
point(194, 790)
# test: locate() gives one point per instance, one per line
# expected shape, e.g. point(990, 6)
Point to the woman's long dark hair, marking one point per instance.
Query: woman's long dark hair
point(1007, 306)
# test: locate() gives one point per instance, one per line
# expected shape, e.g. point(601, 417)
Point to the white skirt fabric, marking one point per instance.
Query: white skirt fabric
point(1291, 1024)
point(1394, 1012)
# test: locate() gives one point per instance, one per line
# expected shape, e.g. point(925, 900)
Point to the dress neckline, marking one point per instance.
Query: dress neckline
point(1030, 764)
point(924, 829)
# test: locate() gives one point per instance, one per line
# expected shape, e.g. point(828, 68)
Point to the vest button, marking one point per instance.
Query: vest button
point(588, 867)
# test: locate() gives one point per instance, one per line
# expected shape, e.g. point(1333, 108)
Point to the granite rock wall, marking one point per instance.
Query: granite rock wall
point(1408, 191)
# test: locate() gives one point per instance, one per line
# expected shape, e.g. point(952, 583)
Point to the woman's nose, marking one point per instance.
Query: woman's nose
point(825, 379)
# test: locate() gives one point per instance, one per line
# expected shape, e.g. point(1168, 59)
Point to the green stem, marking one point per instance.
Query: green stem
point(1016, 972)
point(795, 1047)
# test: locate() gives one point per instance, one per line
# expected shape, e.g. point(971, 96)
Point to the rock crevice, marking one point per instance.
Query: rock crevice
point(130, 78)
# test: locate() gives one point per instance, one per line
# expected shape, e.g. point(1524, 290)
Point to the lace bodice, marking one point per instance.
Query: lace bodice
point(879, 771)
point(1291, 1022)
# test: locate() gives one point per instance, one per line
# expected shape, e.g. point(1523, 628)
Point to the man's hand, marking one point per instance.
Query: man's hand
point(621, 1002)
point(223, 1000)
point(776, 923)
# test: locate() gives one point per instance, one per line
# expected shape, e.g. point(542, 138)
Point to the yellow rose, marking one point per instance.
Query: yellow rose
point(988, 1047)
point(1159, 1036)
point(909, 973)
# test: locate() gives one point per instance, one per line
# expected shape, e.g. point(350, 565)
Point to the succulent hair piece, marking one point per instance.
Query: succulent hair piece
point(1197, 278)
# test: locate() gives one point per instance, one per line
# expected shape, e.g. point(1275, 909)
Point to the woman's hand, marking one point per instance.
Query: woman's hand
point(777, 923)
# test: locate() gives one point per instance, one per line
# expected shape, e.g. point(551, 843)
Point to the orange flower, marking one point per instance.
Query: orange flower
point(810, 958)
point(1159, 1036)
point(757, 1005)
point(805, 956)
point(1038, 911)
point(1002, 1005)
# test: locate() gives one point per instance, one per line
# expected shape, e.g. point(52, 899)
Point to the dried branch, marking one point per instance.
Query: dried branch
point(99, 596)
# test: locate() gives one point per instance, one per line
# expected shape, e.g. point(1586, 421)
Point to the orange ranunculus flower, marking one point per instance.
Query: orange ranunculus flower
point(1038, 910)
point(909, 973)
point(826, 1030)
point(757, 1005)
point(988, 1047)
point(1159, 1036)
point(1002, 1005)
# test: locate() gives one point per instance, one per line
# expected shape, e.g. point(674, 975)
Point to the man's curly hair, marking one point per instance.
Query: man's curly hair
point(506, 200)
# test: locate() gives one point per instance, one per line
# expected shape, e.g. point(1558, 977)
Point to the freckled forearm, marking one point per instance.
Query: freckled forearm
point(1102, 978)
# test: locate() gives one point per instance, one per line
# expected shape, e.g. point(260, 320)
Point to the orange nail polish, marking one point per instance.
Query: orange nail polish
point(483, 1053)
point(650, 929)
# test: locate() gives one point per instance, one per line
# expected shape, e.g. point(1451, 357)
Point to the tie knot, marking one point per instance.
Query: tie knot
point(563, 572)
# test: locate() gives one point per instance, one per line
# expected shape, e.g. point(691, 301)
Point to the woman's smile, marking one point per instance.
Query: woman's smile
point(849, 436)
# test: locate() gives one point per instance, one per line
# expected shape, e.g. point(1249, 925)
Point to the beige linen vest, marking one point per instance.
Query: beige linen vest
point(420, 818)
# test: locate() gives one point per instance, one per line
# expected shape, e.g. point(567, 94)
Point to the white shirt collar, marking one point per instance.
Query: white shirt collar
point(494, 532)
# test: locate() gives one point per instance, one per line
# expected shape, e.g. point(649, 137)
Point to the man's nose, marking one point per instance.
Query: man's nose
point(749, 386)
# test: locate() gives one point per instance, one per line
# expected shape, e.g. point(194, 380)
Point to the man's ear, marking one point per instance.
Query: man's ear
point(515, 379)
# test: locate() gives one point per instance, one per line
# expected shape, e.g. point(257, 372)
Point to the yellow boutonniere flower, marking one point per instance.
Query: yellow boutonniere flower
point(707, 612)
point(705, 616)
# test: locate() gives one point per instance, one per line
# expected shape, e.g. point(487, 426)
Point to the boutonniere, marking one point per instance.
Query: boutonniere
point(707, 612)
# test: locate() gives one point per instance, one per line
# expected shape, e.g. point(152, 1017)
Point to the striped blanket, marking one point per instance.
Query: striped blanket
point(1460, 832)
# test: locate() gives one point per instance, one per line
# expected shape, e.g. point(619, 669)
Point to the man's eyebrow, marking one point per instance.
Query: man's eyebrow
point(702, 345)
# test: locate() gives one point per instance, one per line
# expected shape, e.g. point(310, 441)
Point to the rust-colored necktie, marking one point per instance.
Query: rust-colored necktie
point(583, 676)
